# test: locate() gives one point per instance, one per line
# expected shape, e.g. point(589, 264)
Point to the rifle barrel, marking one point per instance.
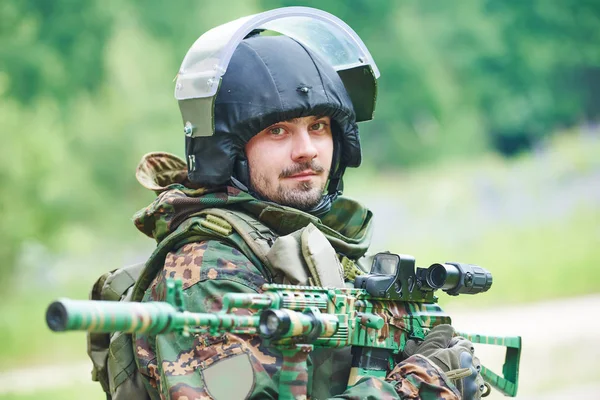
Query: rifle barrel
point(151, 318)
point(109, 316)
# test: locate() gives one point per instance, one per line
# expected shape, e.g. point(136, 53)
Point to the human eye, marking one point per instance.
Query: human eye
point(276, 131)
point(318, 126)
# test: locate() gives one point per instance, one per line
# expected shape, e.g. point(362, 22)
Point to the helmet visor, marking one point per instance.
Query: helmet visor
point(328, 36)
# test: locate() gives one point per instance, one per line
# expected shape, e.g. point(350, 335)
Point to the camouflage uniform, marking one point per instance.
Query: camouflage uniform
point(177, 367)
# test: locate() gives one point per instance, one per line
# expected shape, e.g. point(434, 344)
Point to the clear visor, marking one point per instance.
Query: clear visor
point(328, 36)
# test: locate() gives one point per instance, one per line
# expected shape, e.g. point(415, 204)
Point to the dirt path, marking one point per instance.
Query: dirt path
point(47, 377)
point(559, 359)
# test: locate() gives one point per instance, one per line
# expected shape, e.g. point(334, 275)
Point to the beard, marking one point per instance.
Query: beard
point(301, 195)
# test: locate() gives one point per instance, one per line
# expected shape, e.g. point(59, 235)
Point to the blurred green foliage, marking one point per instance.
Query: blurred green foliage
point(462, 77)
point(86, 90)
point(46, 52)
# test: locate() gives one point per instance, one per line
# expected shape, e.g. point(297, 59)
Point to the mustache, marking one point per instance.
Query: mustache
point(299, 167)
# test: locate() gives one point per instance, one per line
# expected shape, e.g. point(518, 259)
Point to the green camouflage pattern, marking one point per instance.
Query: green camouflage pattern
point(347, 226)
point(177, 366)
point(410, 377)
point(173, 372)
point(308, 318)
point(508, 383)
point(172, 362)
point(210, 269)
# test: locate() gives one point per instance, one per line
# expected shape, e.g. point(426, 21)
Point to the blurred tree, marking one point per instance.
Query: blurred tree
point(179, 24)
point(53, 48)
point(86, 89)
point(458, 77)
point(51, 53)
point(547, 74)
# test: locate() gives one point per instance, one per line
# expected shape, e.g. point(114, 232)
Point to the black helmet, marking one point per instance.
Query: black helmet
point(270, 79)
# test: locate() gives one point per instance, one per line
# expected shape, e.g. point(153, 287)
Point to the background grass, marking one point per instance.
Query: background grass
point(88, 391)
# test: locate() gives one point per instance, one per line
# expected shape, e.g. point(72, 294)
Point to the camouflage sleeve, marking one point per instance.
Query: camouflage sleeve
point(418, 378)
point(371, 389)
point(204, 366)
point(414, 378)
point(239, 366)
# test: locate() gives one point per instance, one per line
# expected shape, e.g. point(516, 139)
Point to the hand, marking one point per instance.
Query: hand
point(454, 355)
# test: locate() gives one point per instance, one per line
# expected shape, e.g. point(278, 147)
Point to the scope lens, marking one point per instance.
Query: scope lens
point(437, 276)
point(272, 323)
point(443, 276)
point(385, 264)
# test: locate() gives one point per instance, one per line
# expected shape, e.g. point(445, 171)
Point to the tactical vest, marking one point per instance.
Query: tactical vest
point(307, 261)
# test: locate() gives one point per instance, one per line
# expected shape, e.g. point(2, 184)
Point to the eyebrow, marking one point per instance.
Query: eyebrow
point(297, 120)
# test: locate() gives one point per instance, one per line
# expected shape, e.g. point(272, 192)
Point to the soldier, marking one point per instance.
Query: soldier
point(270, 124)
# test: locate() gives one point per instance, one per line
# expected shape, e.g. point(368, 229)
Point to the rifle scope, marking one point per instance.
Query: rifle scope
point(458, 278)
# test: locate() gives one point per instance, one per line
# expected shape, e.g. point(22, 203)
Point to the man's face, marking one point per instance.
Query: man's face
point(289, 161)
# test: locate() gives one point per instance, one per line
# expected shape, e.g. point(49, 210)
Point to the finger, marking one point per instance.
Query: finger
point(466, 360)
point(472, 386)
point(445, 330)
point(484, 388)
point(437, 339)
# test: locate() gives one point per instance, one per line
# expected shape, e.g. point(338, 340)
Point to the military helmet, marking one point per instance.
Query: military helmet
point(235, 82)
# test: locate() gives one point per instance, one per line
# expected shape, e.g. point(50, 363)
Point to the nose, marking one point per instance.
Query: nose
point(304, 148)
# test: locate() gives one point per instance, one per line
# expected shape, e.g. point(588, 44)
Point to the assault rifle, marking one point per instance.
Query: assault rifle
point(393, 303)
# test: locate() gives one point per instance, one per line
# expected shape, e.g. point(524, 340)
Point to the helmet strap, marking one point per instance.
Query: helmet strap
point(336, 184)
point(241, 175)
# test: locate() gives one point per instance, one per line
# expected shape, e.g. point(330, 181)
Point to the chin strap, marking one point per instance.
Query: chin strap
point(241, 175)
point(334, 189)
point(324, 205)
point(239, 185)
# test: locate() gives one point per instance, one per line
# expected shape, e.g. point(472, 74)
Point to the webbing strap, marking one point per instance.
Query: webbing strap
point(217, 224)
point(120, 281)
point(351, 271)
point(256, 235)
point(249, 236)
point(111, 286)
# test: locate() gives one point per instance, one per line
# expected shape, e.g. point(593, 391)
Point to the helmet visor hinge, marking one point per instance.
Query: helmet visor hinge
point(189, 129)
point(191, 162)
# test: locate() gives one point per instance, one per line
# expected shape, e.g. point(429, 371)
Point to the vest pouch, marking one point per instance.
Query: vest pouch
point(124, 378)
point(112, 354)
point(98, 343)
point(305, 257)
point(126, 382)
point(321, 258)
point(287, 261)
